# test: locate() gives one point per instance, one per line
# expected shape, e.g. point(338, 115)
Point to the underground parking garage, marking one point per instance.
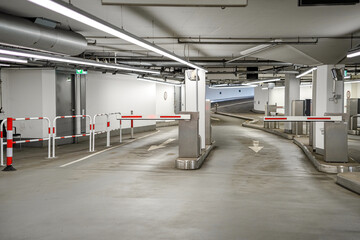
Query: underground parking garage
point(168, 119)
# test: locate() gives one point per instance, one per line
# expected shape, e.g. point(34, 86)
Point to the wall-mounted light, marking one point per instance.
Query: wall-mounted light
point(306, 72)
point(92, 21)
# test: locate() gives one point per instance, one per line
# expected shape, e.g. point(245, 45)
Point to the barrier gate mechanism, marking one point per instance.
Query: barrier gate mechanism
point(10, 141)
point(72, 136)
point(303, 119)
point(107, 131)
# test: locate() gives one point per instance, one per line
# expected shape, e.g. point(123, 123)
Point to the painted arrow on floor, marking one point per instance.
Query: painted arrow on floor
point(154, 147)
point(256, 148)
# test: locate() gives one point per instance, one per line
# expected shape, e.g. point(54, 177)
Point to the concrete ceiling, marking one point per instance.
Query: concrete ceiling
point(260, 19)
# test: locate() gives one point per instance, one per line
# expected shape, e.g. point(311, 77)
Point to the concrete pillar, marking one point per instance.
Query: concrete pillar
point(292, 92)
point(195, 98)
point(324, 102)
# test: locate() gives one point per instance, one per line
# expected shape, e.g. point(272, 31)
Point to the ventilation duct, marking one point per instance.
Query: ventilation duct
point(22, 32)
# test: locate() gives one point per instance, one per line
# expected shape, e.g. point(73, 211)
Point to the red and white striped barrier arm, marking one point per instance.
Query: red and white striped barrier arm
point(73, 136)
point(155, 117)
point(303, 119)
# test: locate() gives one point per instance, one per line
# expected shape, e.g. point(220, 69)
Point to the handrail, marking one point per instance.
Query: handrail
point(107, 131)
point(72, 136)
point(25, 141)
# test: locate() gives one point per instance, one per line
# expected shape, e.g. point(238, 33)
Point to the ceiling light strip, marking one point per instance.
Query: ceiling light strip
point(71, 60)
point(263, 81)
point(306, 72)
point(157, 81)
point(92, 21)
point(5, 59)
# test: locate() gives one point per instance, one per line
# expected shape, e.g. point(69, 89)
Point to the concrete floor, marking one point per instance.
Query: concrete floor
point(129, 192)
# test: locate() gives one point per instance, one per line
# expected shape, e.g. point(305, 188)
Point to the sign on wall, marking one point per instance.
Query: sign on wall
point(81, 72)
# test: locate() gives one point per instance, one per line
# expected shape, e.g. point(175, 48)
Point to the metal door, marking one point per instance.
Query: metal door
point(65, 105)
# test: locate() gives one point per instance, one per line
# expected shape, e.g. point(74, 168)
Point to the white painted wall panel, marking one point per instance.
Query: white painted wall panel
point(165, 106)
point(114, 93)
point(29, 93)
point(225, 94)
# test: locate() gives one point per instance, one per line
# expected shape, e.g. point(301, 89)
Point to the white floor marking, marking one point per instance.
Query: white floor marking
point(215, 119)
point(153, 147)
point(94, 154)
point(256, 148)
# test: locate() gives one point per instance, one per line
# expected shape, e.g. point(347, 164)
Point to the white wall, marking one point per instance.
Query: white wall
point(29, 93)
point(354, 89)
point(218, 94)
point(106, 93)
point(165, 106)
point(277, 96)
point(260, 98)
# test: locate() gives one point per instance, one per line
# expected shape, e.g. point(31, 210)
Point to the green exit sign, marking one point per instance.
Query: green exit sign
point(81, 72)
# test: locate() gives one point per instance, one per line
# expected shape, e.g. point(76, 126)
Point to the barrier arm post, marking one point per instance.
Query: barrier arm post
point(9, 146)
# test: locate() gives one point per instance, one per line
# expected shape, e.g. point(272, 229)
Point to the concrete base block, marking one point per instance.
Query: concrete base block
point(194, 163)
point(350, 181)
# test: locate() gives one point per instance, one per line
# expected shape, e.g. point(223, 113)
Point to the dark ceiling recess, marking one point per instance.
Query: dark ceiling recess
point(327, 2)
point(252, 76)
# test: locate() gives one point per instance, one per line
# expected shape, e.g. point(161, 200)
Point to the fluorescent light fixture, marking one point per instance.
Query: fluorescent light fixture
point(348, 82)
point(306, 72)
point(256, 49)
point(77, 61)
point(4, 65)
point(5, 59)
point(263, 81)
point(229, 87)
point(92, 21)
point(158, 81)
point(353, 53)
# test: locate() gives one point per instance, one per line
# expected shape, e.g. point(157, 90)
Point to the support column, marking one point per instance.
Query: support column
point(292, 92)
point(324, 89)
point(195, 98)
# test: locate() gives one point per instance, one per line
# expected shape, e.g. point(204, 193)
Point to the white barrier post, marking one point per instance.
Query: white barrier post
point(94, 132)
point(108, 130)
point(132, 126)
point(120, 133)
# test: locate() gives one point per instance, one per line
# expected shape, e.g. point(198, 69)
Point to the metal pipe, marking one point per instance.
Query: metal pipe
point(22, 32)
point(248, 43)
